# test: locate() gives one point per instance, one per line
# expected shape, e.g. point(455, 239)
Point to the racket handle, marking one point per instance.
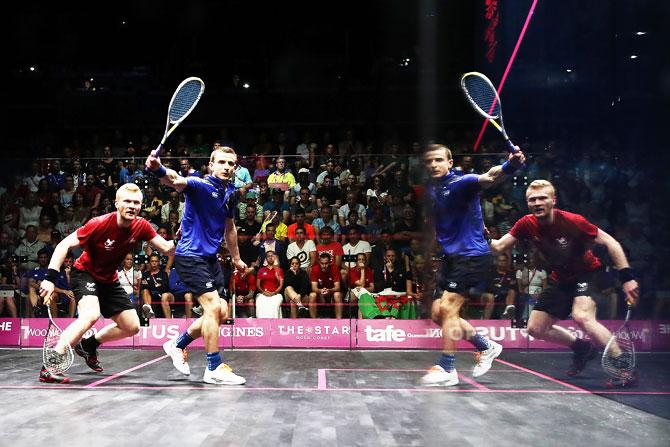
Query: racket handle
point(157, 151)
point(511, 147)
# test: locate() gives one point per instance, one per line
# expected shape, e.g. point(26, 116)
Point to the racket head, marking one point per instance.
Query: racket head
point(53, 361)
point(618, 359)
point(184, 99)
point(481, 94)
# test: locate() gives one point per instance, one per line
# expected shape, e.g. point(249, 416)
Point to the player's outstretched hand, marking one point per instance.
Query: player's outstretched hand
point(517, 159)
point(239, 264)
point(632, 290)
point(153, 162)
point(46, 291)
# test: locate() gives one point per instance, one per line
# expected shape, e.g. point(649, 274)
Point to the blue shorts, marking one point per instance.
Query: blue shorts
point(199, 274)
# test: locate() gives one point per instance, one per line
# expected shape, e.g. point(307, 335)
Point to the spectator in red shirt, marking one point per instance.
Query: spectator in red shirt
point(300, 223)
point(330, 246)
point(325, 278)
point(243, 285)
point(360, 279)
point(269, 283)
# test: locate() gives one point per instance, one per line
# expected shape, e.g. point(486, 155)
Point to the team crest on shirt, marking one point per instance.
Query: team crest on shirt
point(208, 284)
point(90, 286)
point(582, 286)
point(215, 194)
point(562, 242)
point(109, 244)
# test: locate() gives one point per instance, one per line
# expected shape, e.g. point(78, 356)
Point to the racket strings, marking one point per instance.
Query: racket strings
point(55, 362)
point(483, 95)
point(620, 365)
point(185, 100)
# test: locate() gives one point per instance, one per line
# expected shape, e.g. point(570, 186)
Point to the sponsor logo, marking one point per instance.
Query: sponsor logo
point(5, 326)
point(389, 333)
point(562, 242)
point(452, 285)
point(582, 286)
point(215, 194)
point(109, 244)
point(90, 286)
point(208, 284)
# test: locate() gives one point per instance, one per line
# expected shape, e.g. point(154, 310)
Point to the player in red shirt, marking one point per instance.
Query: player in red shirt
point(325, 279)
point(106, 240)
point(565, 240)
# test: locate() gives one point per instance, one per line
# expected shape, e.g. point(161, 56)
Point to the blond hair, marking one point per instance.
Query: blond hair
point(130, 188)
point(223, 149)
point(438, 147)
point(541, 184)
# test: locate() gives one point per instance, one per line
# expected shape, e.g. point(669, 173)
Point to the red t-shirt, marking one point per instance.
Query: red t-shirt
point(244, 284)
point(269, 279)
point(326, 278)
point(106, 245)
point(355, 275)
point(309, 231)
point(334, 248)
point(565, 244)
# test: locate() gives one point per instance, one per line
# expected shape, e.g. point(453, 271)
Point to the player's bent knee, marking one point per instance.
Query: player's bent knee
point(536, 330)
point(582, 318)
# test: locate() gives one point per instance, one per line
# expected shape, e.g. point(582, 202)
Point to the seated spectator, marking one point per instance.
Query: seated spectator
point(81, 211)
point(352, 224)
point(297, 288)
point(329, 172)
point(130, 278)
point(377, 190)
point(328, 192)
point(29, 213)
point(155, 288)
point(37, 308)
point(242, 177)
point(281, 178)
point(269, 243)
point(243, 285)
point(152, 204)
point(326, 219)
point(304, 249)
point(302, 182)
point(306, 202)
point(281, 230)
point(300, 223)
point(277, 204)
point(185, 169)
point(407, 229)
point(44, 229)
point(269, 283)
point(400, 187)
point(66, 302)
point(130, 172)
point(66, 194)
point(352, 205)
point(9, 282)
point(7, 247)
point(360, 279)
point(501, 291)
point(28, 249)
point(181, 293)
point(246, 230)
point(531, 281)
point(392, 278)
point(325, 279)
point(91, 193)
point(328, 245)
point(355, 246)
point(173, 204)
point(384, 243)
point(250, 201)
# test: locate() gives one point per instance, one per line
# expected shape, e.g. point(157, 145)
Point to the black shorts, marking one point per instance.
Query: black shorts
point(112, 298)
point(459, 274)
point(557, 298)
point(199, 274)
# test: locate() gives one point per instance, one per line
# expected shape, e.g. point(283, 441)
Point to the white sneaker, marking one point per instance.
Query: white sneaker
point(437, 376)
point(178, 356)
point(509, 313)
point(223, 375)
point(485, 359)
point(147, 311)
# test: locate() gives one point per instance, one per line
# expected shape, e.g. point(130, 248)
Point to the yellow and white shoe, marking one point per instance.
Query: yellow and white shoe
point(223, 375)
point(437, 376)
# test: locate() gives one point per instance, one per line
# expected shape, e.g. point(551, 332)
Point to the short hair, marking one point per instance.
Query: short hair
point(299, 211)
point(225, 150)
point(154, 255)
point(325, 255)
point(541, 184)
point(300, 229)
point(327, 230)
point(438, 147)
point(270, 252)
point(131, 188)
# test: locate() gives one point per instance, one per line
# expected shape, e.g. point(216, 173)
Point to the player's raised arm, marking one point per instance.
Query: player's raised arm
point(514, 162)
point(627, 275)
point(60, 252)
point(166, 176)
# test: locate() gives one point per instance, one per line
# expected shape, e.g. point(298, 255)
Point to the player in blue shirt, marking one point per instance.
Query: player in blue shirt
point(459, 229)
point(209, 213)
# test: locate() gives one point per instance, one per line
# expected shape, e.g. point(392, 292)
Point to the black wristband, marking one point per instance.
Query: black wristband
point(627, 274)
point(52, 275)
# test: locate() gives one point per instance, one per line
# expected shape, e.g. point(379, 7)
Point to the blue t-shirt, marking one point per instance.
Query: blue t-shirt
point(209, 202)
point(459, 226)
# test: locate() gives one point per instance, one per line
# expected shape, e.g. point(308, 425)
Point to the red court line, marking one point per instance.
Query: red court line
point(123, 373)
point(543, 376)
point(509, 66)
point(391, 390)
